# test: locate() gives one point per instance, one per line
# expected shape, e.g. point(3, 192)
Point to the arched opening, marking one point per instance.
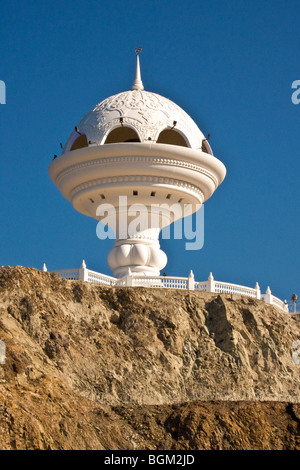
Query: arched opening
point(171, 137)
point(122, 134)
point(80, 142)
point(206, 147)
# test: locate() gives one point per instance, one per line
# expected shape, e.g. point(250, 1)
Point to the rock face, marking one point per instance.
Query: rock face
point(96, 367)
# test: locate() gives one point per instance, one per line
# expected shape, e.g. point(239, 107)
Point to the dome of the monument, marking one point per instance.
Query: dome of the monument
point(137, 116)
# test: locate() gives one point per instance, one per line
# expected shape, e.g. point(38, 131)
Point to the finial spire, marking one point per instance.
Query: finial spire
point(138, 84)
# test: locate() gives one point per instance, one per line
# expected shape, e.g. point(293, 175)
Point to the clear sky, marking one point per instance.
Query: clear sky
point(230, 65)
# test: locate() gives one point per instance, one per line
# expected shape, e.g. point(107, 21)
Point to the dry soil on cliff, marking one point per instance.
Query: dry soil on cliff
point(93, 367)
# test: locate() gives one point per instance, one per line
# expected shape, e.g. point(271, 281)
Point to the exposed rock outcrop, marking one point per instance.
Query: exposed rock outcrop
point(118, 368)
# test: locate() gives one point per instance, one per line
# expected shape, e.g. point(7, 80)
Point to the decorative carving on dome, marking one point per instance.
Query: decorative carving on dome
point(148, 113)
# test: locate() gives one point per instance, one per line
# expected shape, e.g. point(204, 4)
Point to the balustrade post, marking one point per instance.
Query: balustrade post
point(268, 296)
point(191, 281)
point(211, 283)
point(258, 291)
point(83, 272)
point(129, 278)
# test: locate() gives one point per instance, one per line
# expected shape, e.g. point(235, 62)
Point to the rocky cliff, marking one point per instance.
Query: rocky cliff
point(97, 367)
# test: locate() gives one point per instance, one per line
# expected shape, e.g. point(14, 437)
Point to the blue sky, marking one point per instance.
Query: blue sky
point(230, 65)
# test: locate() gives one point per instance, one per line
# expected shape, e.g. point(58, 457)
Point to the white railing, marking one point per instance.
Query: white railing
point(147, 282)
point(174, 282)
point(72, 274)
point(225, 288)
point(159, 281)
point(84, 274)
point(202, 286)
point(294, 307)
point(98, 278)
point(169, 282)
point(277, 302)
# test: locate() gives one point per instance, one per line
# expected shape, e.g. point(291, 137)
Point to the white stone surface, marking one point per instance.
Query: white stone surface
point(146, 112)
point(100, 173)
